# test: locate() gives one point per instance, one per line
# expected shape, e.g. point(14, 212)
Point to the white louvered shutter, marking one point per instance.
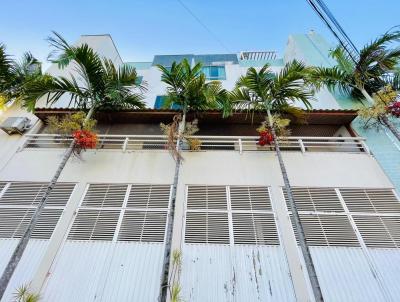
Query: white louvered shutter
point(327, 230)
point(149, 223)
point(149, 196)
point(315, 199)
point(94, 225)
point(19, 202)
point(105, 195)
point(250, 198)
point(378, 231)
point(143, 226)
point(252, 218)
point(371, 200)
point(207, 198)
point(142, 216)
point(207, 227)
point(254, 228)
point(14, 221)
point(207, 217)
point(30, 194)
point(2, 185)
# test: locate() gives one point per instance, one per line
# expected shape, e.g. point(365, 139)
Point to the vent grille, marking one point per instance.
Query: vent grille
point(143, 226)
point(254, 228)
point(207, 197)
point(250, 198)
point(105, 195)
point(315, 199)
point(207, 228)
point(327, 230)
point(14, 222)
point(149, 196)
point(2, 185)
point(371, 200)
point(379, 231)
point(122, 212)
point(19, 202)
point(29, 194)
point(94, 225)
point(245, 217)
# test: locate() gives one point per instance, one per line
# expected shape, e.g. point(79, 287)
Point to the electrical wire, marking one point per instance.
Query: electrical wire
point(204, 26)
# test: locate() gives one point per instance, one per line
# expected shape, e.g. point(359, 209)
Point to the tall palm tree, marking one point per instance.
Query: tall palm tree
point(188, 89)
point(101, 85)
point(366, 76)
point(264, 90)
point(14, 75)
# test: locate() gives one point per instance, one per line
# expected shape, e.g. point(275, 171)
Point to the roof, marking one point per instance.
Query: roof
point(314, 117)
point(205, 59)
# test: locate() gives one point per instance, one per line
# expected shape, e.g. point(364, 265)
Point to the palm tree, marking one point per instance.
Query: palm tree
point(264, 90)
point(366, 76)
point(188, 89)
point(101, 85)
point(14, 76)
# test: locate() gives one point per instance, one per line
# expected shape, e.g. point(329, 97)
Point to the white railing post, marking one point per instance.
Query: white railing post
point(240, 146)
point(302, 148)
point(125, 145)
point(365, 147)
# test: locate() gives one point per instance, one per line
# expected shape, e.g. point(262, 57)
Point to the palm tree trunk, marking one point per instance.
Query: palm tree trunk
point(384, 119)
point(299, 227)
point(23, 242)
point(170, 226)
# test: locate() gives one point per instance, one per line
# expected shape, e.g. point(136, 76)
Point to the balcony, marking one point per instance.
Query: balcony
point(208, 143)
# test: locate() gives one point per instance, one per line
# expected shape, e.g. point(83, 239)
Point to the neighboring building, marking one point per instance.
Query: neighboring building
point(101, 237)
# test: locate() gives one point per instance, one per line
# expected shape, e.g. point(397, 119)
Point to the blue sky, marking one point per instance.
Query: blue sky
point(143, 28)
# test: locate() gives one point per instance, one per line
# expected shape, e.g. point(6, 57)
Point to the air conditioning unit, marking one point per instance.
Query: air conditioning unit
point(15, 125)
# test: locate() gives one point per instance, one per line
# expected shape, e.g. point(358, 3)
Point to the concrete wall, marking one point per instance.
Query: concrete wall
point(206, 168)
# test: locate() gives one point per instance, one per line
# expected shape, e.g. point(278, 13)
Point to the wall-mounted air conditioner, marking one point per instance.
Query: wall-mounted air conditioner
point(15, 125)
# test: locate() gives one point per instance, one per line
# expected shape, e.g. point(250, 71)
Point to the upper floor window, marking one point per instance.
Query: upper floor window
point(214, 72)
point(160, 103)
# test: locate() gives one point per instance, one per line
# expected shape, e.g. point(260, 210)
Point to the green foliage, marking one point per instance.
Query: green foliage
point(176, 293)
point(104, 87)
point(280, 125)
point(263, 90)
point(375, 60)
point(70, 123)
point(24, 295)
point(372, 115)
point(15, 76)
point(187, 88)
point(174, 286)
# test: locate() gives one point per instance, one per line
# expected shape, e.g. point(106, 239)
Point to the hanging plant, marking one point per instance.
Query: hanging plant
point(280, 125)
point(171, 131)
point(266, 137)
point(394, 109)
point(84, 139)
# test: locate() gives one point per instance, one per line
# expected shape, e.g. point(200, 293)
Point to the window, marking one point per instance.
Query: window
point(122, 212)
point(331, 217)
point(214, 72)
point(18, 203)
point(160, 103)
point(230, 214)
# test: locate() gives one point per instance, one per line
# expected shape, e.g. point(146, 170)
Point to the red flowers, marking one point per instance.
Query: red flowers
point(266, 138)
point(85, 139)
point(394, 109)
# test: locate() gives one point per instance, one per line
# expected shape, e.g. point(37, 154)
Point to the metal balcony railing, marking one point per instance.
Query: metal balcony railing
point(207, 143)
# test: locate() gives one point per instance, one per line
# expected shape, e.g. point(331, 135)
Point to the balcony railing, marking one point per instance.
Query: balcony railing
point(207, 143)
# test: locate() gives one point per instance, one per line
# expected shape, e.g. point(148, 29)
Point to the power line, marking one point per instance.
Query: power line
point(204, 26)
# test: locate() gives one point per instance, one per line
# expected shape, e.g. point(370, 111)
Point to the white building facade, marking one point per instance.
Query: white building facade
point(102, 234)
